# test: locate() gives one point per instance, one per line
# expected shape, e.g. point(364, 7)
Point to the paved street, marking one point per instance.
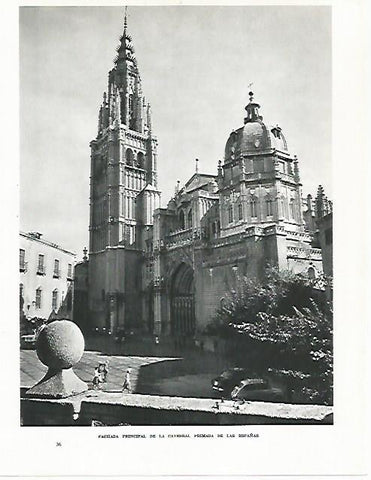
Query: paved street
point(198, 385)
point(166, 373)
point(32, 370)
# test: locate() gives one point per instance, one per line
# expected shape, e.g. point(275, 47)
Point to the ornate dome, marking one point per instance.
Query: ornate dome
point(254, 136)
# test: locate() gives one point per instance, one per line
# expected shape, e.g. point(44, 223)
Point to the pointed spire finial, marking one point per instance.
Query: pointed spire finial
point(196, 165)
point(126, 18)
point(177, 187)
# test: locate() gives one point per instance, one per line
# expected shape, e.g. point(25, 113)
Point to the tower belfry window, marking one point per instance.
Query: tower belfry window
point(129, 157)
point(269, 206)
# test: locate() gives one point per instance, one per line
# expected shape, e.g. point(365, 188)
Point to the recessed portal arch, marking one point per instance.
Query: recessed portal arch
point(182, 304)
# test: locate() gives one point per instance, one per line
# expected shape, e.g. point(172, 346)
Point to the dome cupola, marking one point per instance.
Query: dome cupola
point(254, 136)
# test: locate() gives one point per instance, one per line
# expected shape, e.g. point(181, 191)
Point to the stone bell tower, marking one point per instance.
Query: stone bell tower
point(123, 195)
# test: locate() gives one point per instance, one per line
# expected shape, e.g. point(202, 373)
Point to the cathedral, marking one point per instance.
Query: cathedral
point(164, 271)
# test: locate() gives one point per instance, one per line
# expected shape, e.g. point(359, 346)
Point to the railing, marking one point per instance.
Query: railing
point(304, 252)
point(180, 237)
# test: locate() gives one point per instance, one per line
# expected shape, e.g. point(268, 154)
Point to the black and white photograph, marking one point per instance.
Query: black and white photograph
point(176, 263)
point(176, 195)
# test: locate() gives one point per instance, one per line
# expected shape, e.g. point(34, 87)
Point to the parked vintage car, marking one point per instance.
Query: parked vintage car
point(226, 381)
point(257, 389)
point(28, 341)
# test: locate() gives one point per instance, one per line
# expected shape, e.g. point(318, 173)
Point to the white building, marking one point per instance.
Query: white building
point(46, 276)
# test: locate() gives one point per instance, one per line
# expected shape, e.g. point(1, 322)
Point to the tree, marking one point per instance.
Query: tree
point(282, 325)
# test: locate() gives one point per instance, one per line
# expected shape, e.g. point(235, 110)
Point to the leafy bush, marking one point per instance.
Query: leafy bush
point(282, 325)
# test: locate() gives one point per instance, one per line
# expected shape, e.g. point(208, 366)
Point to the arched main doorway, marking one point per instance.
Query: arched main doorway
point(182, 302)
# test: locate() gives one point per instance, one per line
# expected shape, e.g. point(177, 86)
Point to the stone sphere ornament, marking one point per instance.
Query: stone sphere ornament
point(59, 346)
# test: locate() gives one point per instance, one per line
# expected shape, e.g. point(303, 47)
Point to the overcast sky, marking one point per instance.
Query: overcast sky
point(196, 64)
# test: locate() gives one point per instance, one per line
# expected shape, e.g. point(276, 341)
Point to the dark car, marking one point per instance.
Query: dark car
point(28, 341)
point(227, 380)
point(257, 389)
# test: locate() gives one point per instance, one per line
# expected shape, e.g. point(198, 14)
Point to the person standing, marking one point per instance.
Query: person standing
point(127, 381)
point(97, 379)
point(103, 369)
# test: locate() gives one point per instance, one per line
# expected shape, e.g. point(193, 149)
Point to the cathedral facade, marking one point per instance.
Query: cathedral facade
point(165, 271)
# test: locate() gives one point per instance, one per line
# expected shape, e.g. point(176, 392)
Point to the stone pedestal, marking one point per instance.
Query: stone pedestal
point(58, 384)
point(59, 346)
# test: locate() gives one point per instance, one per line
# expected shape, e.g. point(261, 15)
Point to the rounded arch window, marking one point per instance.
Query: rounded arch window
point(181, 220)
point(292, 208)
point(129, 157)
point(190, 218)
point(269, 205)
point(253, 206)
point(140, 160)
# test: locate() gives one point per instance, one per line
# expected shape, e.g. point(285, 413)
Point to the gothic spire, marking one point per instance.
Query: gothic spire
point(125, 50)
point(125, 19)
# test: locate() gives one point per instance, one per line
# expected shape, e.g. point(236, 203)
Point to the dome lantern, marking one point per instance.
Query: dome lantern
point(252, 110)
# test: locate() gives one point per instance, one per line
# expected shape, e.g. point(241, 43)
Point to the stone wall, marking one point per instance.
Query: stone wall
point(134, 409)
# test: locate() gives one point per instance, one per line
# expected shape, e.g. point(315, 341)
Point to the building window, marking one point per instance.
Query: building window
point(292, 208)
point(56, 272)
point(22, 257)
point(55, 300)
point(181, 220)
point(69, 271)
point(38, 298)
point(131, 234)
point(41, 265)
point(240, 211)
point(190, 219)
point(269, 207)
point(129, 157)
point(253, 207)
point(21, 290)
point(140, 160)
point(230, 214)
point(258, 165)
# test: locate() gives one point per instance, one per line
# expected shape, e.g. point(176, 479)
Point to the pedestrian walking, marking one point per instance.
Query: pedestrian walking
point(103, 370)
point(97, 379)
point(127, 381)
